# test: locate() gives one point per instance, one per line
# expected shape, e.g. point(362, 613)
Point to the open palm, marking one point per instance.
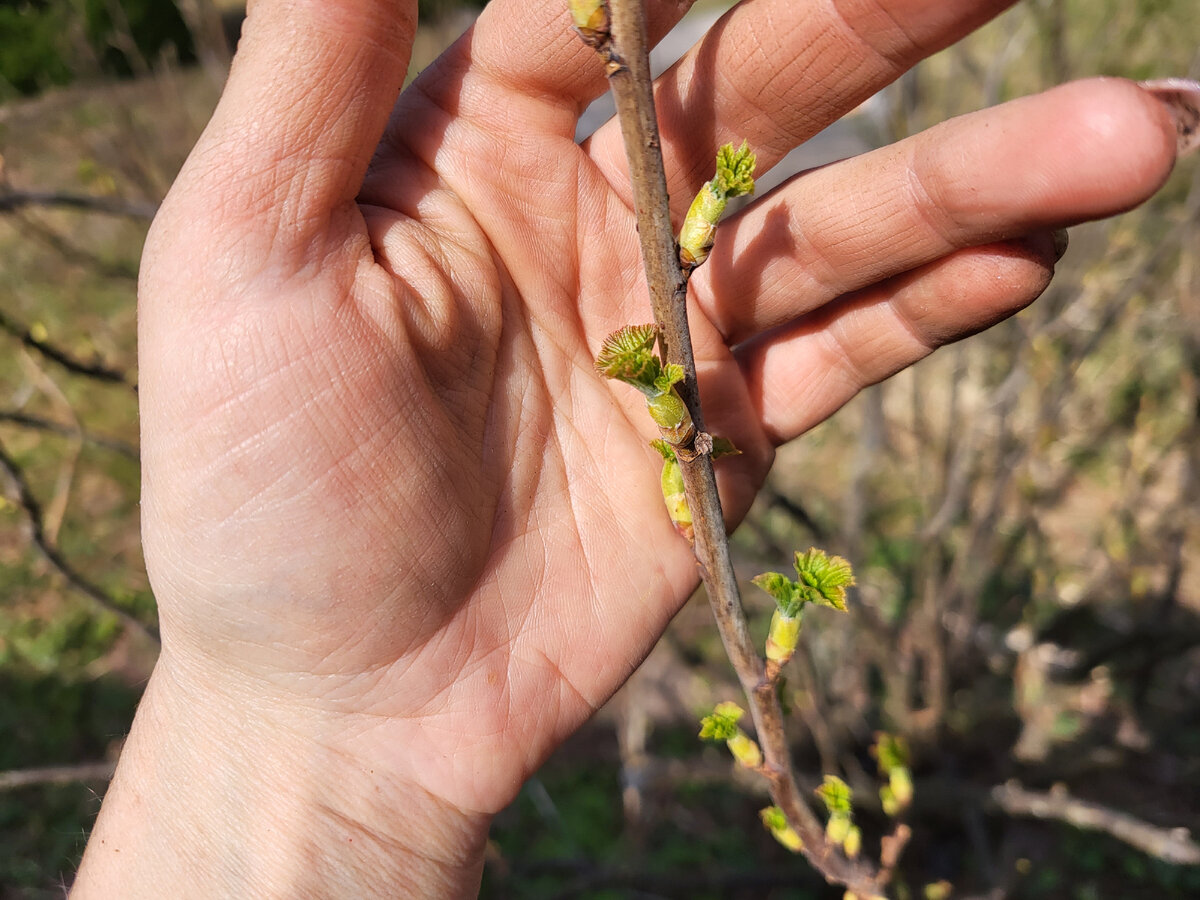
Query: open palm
point(384, 484)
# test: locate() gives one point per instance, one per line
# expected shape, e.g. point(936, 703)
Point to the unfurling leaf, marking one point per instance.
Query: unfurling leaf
point(628, 355)
point(890, 751)
point(828, 576)
point(671, 375)
point(787, 594)
point(723, 723)
point(735, 170)
point(836, 795)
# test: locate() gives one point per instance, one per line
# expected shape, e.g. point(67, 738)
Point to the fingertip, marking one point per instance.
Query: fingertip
point(1125, 141)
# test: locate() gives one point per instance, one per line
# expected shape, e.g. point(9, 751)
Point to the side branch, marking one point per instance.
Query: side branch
point(12, 200)
point(33, 511)
point(622, 44)
point(1173, 845)
point(96, 370)
point(21, 778)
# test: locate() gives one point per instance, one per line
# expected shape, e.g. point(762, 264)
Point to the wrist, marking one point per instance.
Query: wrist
point(222, 794)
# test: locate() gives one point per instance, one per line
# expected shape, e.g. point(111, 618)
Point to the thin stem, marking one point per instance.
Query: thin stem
point(96, 370)
point(37, 532)
point(626, 57)
point(1174, 845)
point(11, 200)
point(22, 778)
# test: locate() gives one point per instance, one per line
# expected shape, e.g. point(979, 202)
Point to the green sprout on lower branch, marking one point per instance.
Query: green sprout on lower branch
point(891, 753)
point(628, 355)
point(722, 725)
point(775, 821)
point(840, 829)
point(672, 482)
point(735, 177)
point(821, 579)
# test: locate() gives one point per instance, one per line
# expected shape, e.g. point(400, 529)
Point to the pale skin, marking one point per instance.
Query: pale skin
point(403, 539)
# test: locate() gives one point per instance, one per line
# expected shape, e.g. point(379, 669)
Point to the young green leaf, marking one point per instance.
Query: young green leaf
point(836, 795)
point(724, 447)
point(779, 586)
point(735, 170)
point(665, 450)
point(890, 751)
point(671, 375)
point(723, 723)
point(628, 355)
point(828, 576)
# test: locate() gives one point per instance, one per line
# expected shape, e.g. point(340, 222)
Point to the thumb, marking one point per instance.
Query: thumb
point(308, 96)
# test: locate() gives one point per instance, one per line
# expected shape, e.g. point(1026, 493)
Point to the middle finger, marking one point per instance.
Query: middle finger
point(775, 72)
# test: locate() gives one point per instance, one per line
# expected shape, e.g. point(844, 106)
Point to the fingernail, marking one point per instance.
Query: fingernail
point(1181, 98)
point(1061, 241)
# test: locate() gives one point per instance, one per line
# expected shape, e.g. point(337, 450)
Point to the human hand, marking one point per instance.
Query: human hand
point(404, 540)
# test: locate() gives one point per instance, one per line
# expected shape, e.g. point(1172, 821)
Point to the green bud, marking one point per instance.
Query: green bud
point(776, 822)
point(722, 725)
point(745, 750)
point(836, 795)
point(852, 842)
point(900, 781)
point(837, 829)
point(671, 415)
point(782, 638)
point(887, 799)
point(591, 20)
point(735, 170)
point(699, 231)
point(628, 355)
point(672, 490)
point(734, 177)
point(890, 751)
